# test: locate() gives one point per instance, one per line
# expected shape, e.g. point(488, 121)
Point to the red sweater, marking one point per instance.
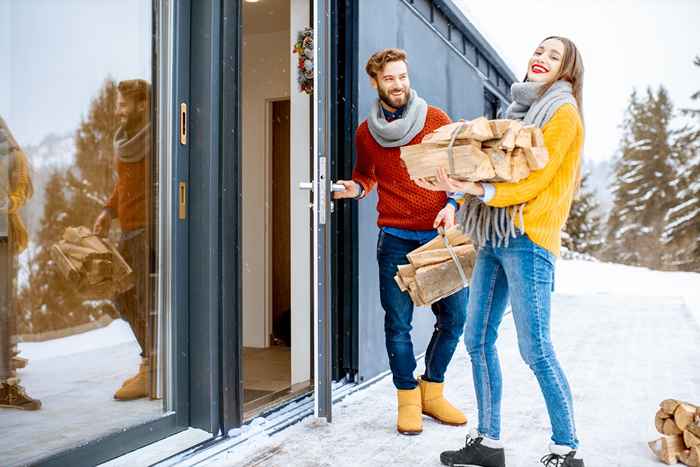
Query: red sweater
point(402, 203)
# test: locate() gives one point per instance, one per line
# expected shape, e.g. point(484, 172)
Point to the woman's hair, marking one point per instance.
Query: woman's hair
point(571, 70)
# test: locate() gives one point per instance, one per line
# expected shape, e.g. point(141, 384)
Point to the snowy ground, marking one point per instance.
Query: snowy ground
point(625, 336)
point(75, 378)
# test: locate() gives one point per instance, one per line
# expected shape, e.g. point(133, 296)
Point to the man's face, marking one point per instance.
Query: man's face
point(129, 111)
point(392, 84)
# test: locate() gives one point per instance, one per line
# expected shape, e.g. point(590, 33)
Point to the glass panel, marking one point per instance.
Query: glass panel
point(80, 351)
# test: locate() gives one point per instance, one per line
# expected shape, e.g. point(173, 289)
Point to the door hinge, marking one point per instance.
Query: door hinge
point(183, 123)
point(182, 201)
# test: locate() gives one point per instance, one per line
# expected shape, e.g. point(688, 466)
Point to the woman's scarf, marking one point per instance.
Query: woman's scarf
point(487, 223)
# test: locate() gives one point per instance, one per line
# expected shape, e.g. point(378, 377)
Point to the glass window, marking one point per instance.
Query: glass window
point(80, 348)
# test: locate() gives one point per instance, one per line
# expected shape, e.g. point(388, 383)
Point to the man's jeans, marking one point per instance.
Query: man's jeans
point(524, 272)
point(450, 315)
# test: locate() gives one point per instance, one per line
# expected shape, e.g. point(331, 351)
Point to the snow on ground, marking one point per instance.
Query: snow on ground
point(624, 337)
point(115, 333)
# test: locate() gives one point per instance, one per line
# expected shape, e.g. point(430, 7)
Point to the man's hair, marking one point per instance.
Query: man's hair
point(136, 89)
point(378, 60)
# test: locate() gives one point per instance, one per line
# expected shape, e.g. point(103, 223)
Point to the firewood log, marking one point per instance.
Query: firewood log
point(690, 439)
point(499, 127)
point(684, 415)
point(501, 163)
point(508, 139)
point(440, 280)
point(470, 163)
point(691, 457)
point(524, 138)
point(669, 405)
point(426, 258)
point(668, 448)
point(454, 235)
point(519, 167)
point(537, 158)
point(537, 138)
point(670, 428)
point(694, 428)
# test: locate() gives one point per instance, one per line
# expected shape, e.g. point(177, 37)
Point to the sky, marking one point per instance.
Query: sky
point(56, 55)
point(625, 44)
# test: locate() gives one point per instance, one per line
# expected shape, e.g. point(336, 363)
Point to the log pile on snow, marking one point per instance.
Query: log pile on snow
point(91, 264)
point(432, 273)
point(679, 422)
point(478, 150)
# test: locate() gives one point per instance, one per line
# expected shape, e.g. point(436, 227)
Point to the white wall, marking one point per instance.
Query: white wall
point(265, 75)
point(300, 215)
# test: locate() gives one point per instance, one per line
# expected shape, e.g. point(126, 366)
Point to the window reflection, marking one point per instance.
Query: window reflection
point(78, 249)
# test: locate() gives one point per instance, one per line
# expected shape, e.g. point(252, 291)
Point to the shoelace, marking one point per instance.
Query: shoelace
point(552, 460)
point(471, 441)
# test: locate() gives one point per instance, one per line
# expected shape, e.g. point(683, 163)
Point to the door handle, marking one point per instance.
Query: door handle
point(335, 187)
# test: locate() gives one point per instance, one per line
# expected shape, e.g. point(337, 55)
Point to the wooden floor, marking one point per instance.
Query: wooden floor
point(266, 371)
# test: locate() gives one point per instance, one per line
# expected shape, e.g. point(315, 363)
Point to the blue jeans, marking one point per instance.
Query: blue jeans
point(450, 314)
point(524, 272)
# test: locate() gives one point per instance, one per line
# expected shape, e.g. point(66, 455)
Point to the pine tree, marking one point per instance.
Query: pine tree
point(582, 232)
point(682, 230)
point(642, 187)
point(73, 198)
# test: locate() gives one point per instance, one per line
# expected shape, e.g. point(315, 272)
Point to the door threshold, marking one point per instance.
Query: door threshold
point(270, 402)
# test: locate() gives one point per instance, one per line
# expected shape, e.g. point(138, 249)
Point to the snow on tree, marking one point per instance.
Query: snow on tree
point(642, 187)
point(582, 232)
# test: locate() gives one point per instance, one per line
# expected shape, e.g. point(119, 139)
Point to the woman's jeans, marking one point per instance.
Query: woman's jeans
point(449, 312)
point(524, 272)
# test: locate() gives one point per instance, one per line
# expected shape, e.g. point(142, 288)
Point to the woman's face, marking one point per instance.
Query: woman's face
point(546, 61)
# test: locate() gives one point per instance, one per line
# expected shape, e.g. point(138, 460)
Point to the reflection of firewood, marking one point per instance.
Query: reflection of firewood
point(93, 265)
point(668, 448)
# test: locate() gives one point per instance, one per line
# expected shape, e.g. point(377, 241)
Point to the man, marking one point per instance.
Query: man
point(408, 216)
point(128, 202)
point(15, 189)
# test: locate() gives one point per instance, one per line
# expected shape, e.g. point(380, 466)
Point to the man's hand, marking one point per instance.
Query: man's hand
point(352, 189)
point(446, 217)
point(102, 223)
point(443, 182)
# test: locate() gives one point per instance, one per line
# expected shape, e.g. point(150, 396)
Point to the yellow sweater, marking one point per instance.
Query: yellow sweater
point(548, 192)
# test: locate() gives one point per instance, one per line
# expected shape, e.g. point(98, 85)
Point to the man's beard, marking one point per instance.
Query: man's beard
point(394, 102)
point(134, 122)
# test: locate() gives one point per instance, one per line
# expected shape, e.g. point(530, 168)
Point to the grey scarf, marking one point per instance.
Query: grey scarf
point(486, 223)
point(132, 149)
point(401, 131)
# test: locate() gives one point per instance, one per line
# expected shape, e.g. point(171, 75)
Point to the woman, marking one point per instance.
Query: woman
point(519, 235)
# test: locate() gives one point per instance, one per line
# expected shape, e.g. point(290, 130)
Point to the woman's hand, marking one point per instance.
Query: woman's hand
point(443, 182)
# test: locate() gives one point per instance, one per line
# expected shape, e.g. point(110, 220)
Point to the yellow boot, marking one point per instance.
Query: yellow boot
point(135, 387)
point(435, 405)
point(410, 420)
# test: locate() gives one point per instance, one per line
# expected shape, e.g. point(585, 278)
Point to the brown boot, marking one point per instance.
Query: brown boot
point(135, 387)
point(435, 405)
point(410, 420)
point(12, 396)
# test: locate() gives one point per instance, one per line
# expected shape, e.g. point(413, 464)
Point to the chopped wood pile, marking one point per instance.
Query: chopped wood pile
point(679, 422)
point(478, 150)
point(91, 264)
point(432, 273)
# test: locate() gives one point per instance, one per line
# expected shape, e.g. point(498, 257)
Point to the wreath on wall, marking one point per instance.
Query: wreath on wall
point(304, 47)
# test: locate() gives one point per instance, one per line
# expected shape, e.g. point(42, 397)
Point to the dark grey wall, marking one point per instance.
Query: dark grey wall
point(445, 79)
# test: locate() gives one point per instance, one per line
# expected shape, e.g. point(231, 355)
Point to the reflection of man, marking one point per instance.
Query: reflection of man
point(132, 146)
point(399, 117)
point(15, 189)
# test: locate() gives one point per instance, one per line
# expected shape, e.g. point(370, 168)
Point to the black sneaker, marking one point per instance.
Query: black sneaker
point(474, 454)
point(556, 460)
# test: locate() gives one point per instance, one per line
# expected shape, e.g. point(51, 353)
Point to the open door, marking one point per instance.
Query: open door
point(322, 186)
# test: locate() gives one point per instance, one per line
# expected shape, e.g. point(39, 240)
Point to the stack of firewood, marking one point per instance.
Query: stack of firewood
point(482, 150)
point(91, 264)
point(679, 422)
point(432, 273)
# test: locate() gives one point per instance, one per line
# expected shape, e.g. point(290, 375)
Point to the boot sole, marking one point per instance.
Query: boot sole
point(442, 421)
point(19, 407)
point(409, 433)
